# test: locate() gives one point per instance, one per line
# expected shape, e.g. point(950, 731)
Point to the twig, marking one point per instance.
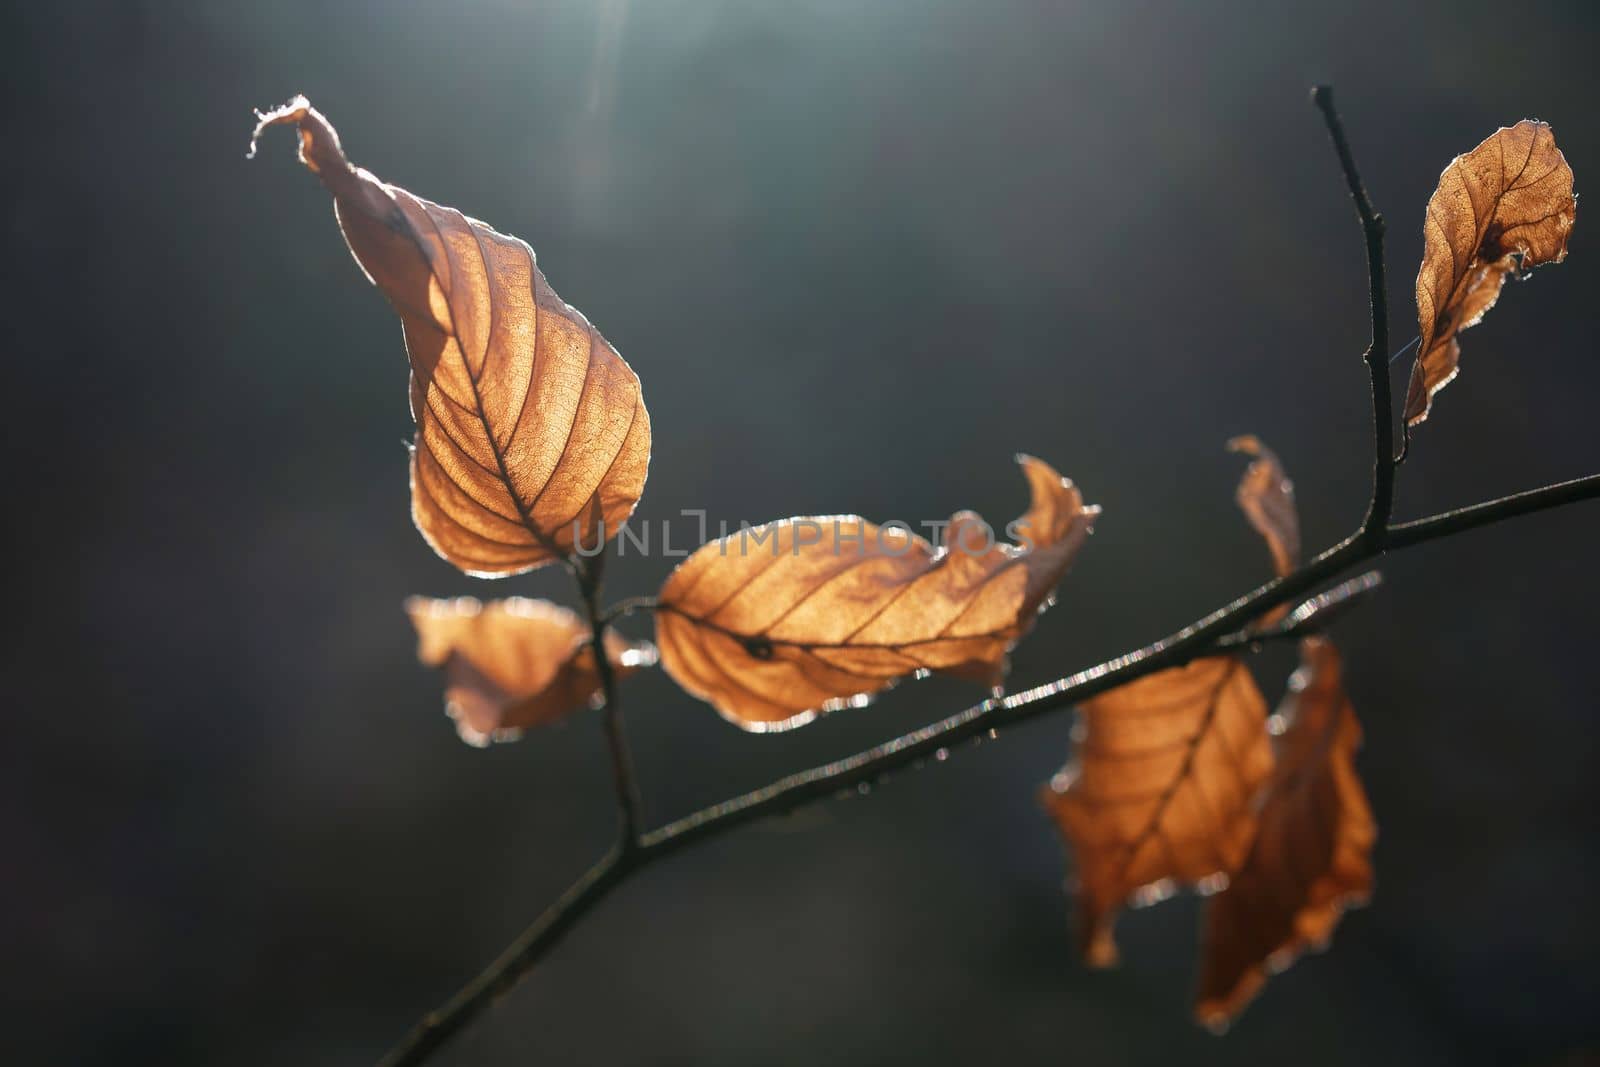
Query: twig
point(1446, 524)
point(439, 1026)
point(1311, 617)
point(1221, 629)
point(1377, 354)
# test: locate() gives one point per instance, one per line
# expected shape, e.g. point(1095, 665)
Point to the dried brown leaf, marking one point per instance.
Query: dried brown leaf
point(1266, 496)
point(777, 623)
point(1160, 790)
point(1504, 207)
point(515, 663)
point(1051, 531)
point(531, 429)
point(1311, 858)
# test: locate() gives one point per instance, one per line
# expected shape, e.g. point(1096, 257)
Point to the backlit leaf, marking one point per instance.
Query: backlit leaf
point(777, 623)
point(1311, 857)
point(511, 664)
point(531, 430)
point(1052, 531)
point(1504, 207)
point(1160, 789)
point(1266, 496)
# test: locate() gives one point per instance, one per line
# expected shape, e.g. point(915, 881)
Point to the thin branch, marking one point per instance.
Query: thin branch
point(1311, 617)
point(439, 1026)
point(1377, 354)
point(1449, 523)
point(1222, 630)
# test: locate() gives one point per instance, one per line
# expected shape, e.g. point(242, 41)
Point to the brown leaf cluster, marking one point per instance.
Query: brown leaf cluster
point(515, 663)
point(778, 623)
point(531, 429)
point(532, 435)
point(533, 439)
point(1176, 780)
point(1505, 207)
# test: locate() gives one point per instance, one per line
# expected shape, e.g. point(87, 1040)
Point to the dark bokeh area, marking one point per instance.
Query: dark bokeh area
point(859, 253)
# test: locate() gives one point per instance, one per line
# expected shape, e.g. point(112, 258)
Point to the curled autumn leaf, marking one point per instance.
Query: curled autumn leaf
point(515, 663)
point(1051, 531)
point(1160, 790)
point(531, 430)
point(1506, 206)
point(1266, 496)
point(778, 623)
point(1311, 858)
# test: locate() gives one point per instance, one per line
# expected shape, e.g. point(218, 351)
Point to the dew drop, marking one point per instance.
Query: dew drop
point(1154, 893)
point(940, 755)
point(864, 789)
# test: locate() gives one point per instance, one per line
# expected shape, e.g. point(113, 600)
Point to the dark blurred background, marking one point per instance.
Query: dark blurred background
point(859, 253)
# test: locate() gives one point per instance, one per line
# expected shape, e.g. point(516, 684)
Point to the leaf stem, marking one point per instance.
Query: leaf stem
point(624, 608)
